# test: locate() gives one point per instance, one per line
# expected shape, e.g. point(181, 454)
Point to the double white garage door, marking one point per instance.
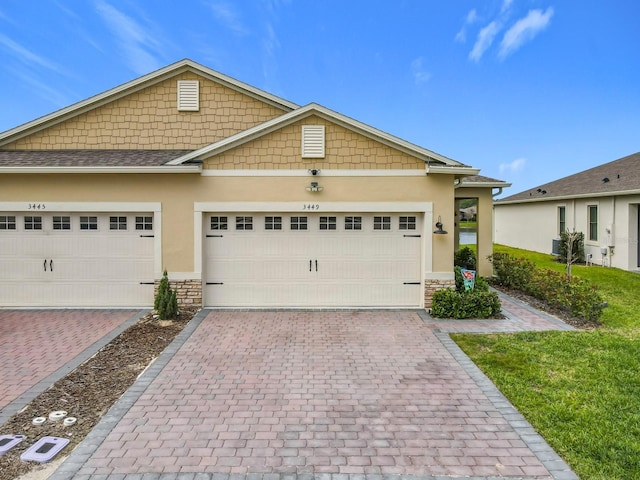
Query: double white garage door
point(76, 259)
point(312, 260)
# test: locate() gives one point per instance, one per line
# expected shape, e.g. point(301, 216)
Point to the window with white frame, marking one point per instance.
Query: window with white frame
point(381, 223)
point(328, 223)
point(562, 220)
point(407, 223)
point(61, 222)
point(273, 223)
point(117, 222)
point(352, 223)
point(219, 223)
point(7, 222)
point(244, 223)
point(32, 223)
point(298, 223)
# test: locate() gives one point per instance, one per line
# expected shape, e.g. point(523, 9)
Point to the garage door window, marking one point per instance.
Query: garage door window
point(88, 223)
point(298, 223)
point(117, 223)
point(382, 223)
point(327, 223)
point(32, 223)
point(144, 223)
point(61, 223)
point(244, 223)
point(407, 223)
point(219, 223)
point(353, 223)
point(273, 223)
point(7, 222)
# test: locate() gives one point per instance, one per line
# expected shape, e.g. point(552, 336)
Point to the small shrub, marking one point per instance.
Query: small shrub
point(465, 258)
point(578, 247)
point(510, 271)
point(573, 295)
point(166, 300)
point(448, 303)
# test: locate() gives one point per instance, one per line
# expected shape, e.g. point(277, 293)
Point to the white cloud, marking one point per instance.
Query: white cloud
point(138, 43)
point(524, 30)
point(419, 71)
point(26, 56)
point(472, 17)
point(484, 40)
point(512, 167)
point(228, 16)
point(505, 5)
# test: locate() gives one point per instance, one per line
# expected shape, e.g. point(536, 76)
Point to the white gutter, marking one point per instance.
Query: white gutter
point(451, 170)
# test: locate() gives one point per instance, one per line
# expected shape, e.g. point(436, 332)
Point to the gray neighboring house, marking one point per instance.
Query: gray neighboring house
point(602, 202)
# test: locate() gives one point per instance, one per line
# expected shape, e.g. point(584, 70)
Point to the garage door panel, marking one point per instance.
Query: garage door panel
point(74, 267)
point(314, 267)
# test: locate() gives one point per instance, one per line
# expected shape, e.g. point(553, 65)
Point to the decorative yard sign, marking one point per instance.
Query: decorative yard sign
point(469, 278)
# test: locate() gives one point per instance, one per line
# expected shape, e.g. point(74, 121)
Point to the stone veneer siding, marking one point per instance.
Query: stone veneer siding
point(188, 292)
point(430, 287)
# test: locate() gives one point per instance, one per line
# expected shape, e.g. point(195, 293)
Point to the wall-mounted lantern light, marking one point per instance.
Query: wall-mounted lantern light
point(439, 230)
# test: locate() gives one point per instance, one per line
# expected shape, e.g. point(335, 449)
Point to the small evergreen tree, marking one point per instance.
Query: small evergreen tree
point(166, 300)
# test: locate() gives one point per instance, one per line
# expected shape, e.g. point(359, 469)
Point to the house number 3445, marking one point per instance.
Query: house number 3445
point(311, 206)
point(36, 206)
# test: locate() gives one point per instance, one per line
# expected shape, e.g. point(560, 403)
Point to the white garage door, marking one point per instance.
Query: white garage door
point(76, 259)
point(312, 260)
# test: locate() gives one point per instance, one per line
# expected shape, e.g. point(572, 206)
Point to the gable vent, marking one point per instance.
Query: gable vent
point(313, 141)
point(188, 95)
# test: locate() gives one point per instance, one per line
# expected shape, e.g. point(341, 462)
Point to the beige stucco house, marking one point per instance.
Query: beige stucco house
point(246, 199)
point(602, 202)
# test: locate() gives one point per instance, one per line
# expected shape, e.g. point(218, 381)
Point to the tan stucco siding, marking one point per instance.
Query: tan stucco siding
point(344, 149)
point(177, 194)
point(149, 119)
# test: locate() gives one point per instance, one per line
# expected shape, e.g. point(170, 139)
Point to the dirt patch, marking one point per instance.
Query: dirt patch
point(89, 391)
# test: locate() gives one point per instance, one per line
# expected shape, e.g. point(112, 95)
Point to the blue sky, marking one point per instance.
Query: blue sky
point(526, 90)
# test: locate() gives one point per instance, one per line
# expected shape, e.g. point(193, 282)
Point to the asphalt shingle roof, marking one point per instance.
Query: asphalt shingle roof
point(87, 158)
point(617, 176)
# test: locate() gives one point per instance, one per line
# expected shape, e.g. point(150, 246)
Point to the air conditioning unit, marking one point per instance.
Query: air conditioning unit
point(555, 247)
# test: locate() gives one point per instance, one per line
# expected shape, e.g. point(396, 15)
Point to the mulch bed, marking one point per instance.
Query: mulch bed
point(89, 391)
point(541, 305)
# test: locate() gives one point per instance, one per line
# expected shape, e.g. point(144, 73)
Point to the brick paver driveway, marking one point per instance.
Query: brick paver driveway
point(35, 344)
point(314, 392)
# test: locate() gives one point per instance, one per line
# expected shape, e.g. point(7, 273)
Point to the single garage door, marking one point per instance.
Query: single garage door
point(312, 260)
point(76, 259)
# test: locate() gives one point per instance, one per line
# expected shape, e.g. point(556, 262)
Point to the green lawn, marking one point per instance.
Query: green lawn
point(580, 390)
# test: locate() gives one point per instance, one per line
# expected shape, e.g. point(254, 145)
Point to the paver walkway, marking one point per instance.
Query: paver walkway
point(39, 346)
point(274, 395)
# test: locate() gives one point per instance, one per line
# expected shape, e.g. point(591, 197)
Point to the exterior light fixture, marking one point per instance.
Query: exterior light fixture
point(439, 230)
point(314, 187)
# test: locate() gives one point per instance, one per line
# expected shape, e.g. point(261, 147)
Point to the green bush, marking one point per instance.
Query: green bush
point(166, 300)
point(449, 303)
point(465, 258)
point(511, 272)
point(574, 295)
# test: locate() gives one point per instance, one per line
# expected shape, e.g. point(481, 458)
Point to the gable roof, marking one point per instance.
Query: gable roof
point(619, 177)
point(135, 85)
point(313, 109)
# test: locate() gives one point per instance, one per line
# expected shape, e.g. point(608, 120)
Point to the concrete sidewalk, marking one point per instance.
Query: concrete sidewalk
point(315, 394)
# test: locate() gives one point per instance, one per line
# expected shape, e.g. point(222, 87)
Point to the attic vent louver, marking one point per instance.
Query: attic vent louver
point(313, 141)
point(188, 95)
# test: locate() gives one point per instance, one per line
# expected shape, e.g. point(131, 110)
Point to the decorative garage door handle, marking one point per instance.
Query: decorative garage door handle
point(311, 265)
point(50, 265)
point(45, 264)
point(316, 265)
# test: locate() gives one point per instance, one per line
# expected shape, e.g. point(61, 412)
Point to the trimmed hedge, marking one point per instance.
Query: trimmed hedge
point(458, 303)
point(577, 295)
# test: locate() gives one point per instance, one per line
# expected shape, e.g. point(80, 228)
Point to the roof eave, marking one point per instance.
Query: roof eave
point(618, 193)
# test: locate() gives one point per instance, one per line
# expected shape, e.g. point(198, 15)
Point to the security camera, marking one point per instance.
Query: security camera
point(314, 171)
